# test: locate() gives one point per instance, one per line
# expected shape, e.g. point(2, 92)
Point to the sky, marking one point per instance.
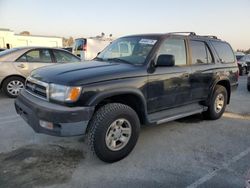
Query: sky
point(227, 19)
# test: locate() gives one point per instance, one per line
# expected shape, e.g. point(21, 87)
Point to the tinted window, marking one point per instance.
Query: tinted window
point(175, 47)
point(36, 56)
point(224, 51)
point(200, 53)
point(62, 57)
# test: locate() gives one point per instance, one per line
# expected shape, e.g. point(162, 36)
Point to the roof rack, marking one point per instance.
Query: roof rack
point(190, 33)
point(194, 34)
point(209, 36)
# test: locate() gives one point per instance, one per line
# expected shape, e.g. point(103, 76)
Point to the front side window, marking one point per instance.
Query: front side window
point(64, 57)
point(200, 53)
point(36, 56)
point(133, 50)
point(175, 47)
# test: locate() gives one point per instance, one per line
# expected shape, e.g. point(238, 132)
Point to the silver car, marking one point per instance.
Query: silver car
point(17, 63)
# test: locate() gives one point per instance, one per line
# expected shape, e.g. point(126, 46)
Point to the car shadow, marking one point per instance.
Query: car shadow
point(197, 118)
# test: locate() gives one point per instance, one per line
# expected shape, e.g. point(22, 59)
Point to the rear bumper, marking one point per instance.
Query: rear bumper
point(65, 121)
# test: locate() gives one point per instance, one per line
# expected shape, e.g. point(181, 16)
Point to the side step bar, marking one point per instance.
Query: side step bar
point(172, 118)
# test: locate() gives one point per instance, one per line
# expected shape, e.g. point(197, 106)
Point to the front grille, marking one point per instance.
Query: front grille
point(36, 88)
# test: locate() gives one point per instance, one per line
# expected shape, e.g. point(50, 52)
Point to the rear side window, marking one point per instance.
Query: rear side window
point(224, 51)
point(64, 57)
point(200, 53)
point(175, 47)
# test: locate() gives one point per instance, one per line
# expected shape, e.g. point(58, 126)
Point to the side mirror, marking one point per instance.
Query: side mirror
point(165, 61)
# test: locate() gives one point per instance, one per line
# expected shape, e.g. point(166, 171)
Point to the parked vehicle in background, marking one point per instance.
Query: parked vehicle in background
point(17, 63)
point(243, 63)
point(88, 48)
point(140, 79)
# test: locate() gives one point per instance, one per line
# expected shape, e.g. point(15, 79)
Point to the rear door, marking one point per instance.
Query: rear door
point(169, 87)
point(202, 67)
point(33, 59)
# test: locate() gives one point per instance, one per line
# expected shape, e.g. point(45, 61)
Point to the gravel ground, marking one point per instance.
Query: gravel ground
point(190, 152)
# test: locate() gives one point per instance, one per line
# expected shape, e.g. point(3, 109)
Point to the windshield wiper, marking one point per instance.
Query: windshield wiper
point(120, 60)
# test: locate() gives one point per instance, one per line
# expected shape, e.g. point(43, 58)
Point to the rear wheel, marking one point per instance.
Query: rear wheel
point(217, 104)
point(113, 132)
point(13, 85)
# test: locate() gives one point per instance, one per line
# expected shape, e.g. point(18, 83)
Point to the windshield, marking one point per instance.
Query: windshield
point(133, 50)
point(5, 52)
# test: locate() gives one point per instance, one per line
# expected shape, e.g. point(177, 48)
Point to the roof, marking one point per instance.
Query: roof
point(188, 34)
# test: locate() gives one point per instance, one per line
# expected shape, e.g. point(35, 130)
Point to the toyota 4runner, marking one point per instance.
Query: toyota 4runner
point(137, 80)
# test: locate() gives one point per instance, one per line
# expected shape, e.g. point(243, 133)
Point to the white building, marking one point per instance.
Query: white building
point(9, 38)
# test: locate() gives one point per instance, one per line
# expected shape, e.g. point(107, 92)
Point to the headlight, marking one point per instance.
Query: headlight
point(64, 93)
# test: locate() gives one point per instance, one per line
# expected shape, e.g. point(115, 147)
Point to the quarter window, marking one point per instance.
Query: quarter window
point(224, 51)
point(175, 47)
point(200, 53)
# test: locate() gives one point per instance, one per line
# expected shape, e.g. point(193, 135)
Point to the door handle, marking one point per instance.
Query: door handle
point(21, 66)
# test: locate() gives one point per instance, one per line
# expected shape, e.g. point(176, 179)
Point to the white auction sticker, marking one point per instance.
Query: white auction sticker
point(147, 41)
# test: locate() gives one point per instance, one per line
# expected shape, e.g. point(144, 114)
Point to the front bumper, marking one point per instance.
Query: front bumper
point(66, 121)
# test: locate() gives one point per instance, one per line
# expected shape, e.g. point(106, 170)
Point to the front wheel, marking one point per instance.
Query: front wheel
point(113, 132)
point(12, 86)
point(217, 104)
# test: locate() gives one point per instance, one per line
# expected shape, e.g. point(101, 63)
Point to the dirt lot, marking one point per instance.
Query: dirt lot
point(190, 152)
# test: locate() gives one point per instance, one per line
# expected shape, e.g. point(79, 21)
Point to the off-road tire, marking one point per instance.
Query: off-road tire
point(211, 112)
point(99, 125)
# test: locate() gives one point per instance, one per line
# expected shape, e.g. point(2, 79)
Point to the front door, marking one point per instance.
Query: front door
point(33, 59)
point(170, 86)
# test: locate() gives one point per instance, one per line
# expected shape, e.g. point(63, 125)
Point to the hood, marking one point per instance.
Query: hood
point(78, 74)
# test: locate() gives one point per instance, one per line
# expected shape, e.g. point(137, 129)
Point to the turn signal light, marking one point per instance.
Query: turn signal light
point(74, 93)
